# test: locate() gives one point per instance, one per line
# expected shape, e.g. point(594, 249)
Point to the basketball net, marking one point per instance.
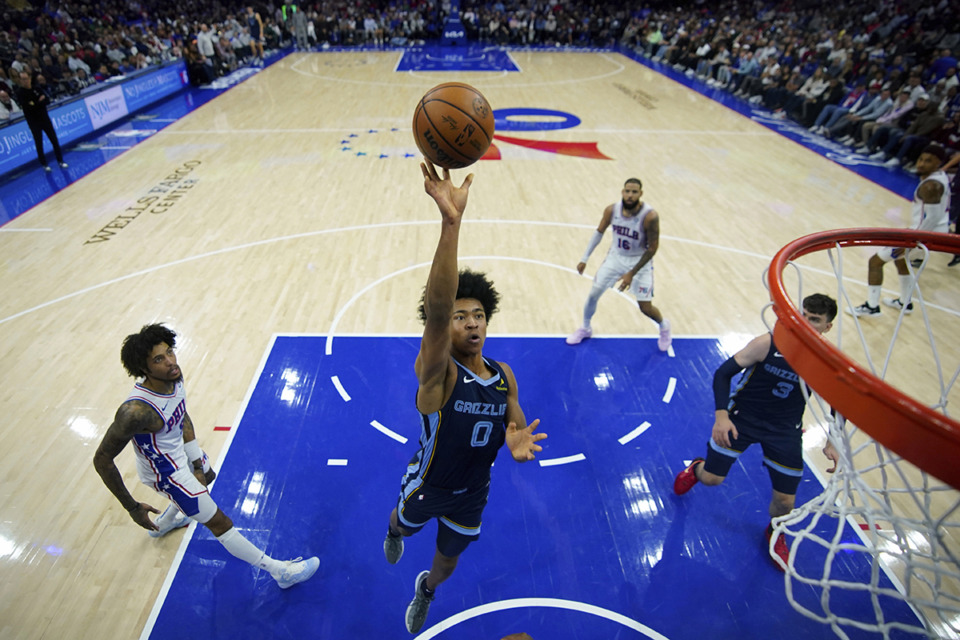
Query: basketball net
point(884, 535)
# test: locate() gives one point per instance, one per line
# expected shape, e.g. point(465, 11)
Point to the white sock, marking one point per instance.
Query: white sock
point(873, 295)
point(665, 325)
point(906, 284)
point(167, 517)
point(239, 547)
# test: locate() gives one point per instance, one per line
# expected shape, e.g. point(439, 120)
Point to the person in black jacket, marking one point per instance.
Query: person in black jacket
point(34, 104)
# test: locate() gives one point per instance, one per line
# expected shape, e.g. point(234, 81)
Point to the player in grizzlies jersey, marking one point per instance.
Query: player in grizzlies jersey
point(169, 460)
point(469, 407)
point(636, 237)
point(255, 24)
point(766, 407)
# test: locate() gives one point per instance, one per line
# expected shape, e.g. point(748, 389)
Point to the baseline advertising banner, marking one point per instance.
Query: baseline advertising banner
point(106, 106)
point(81, 117)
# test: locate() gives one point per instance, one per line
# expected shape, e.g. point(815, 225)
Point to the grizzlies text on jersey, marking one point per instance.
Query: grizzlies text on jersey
point(459, 443)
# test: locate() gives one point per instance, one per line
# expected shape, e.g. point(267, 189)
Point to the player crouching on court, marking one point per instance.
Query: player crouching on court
point(766, 407)
point(169, 460)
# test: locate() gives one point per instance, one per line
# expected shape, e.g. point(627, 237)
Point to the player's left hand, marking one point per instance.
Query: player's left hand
point(523, 442)
point(625, 281)
point(831, 453)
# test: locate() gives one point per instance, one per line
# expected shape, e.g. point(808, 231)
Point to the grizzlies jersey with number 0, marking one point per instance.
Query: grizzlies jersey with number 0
point(769, 393)
point(459, 443)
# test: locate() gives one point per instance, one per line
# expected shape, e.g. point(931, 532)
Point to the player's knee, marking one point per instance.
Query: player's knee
point(219, 524)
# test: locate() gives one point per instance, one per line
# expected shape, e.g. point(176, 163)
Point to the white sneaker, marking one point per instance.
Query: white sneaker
point(896, 304)
point(864, 310)
point(665, 340)
point(179, 521)
point(879, 155)
point(579, 335)
point(892, 162)
point(295, 571)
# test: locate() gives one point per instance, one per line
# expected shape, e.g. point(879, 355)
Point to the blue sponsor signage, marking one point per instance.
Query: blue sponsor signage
point(83, 116)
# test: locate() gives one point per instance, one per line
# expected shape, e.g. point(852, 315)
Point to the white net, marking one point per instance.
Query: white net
point(879, 550)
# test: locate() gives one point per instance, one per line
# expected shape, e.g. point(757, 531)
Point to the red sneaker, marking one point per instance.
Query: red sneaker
point(780, 548)
point(686, 478)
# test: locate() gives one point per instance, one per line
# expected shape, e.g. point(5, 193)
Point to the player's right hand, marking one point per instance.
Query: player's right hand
point(141, 515)
point(724, 431)
point(580, 267)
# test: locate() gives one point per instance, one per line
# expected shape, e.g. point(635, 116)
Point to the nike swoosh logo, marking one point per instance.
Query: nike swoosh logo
point(777, 354)
point(468, 379)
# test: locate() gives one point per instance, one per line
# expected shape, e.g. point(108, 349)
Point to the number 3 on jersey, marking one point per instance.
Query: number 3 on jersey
point(782, 390)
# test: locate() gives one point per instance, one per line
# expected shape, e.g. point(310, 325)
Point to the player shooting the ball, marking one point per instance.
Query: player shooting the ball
point(469, 406)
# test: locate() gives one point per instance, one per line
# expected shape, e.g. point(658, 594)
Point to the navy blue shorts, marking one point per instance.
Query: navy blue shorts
point(782, 453)
point(458, 514)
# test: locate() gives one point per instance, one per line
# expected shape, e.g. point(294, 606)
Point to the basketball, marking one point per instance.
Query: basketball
point(453, 125)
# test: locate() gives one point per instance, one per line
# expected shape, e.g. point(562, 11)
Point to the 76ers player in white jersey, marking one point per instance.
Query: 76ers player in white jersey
point(169, 460)
point(931, 212)
point(636, 237)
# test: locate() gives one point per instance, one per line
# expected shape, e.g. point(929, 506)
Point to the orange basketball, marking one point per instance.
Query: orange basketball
point(453, 125)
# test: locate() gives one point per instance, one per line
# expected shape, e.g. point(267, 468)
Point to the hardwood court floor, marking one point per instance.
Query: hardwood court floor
point(293, 203)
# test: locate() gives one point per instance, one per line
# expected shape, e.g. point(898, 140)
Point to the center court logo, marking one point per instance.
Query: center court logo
point(373, 142)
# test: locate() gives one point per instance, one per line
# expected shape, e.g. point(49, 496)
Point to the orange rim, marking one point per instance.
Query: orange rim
point(924, 437)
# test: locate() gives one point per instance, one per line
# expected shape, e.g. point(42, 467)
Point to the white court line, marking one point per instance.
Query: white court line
point(365, 227)
point(336, 462)
point(524, 603)
point(382, 429)
point(181, 551)
point(671, 387)
point(117, 148)
point(566, 460)
point(349, 303)
point(4, 230)
point(343, 392)
point(633, 434)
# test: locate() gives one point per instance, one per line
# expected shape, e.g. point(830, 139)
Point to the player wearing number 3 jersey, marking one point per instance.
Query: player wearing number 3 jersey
point(765, 407)
point(636, 237)
point(468, 404)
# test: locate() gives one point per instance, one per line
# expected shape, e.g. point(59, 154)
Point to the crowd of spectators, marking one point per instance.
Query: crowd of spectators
point(880, 76)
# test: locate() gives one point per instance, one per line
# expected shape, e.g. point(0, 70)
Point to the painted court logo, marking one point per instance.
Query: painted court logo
point(509, 122)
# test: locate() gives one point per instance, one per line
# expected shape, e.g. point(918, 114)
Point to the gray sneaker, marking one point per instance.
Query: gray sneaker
point(864, 310)
point(896, 304)
point(419, 607)
point(295, 571)
point(179, 521)
point(393, 548)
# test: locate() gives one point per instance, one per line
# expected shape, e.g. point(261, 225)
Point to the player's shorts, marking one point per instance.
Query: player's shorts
point(615, 265)
point(188, 493)
point(889, 254)
point(782, 453)
point(458, 514)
